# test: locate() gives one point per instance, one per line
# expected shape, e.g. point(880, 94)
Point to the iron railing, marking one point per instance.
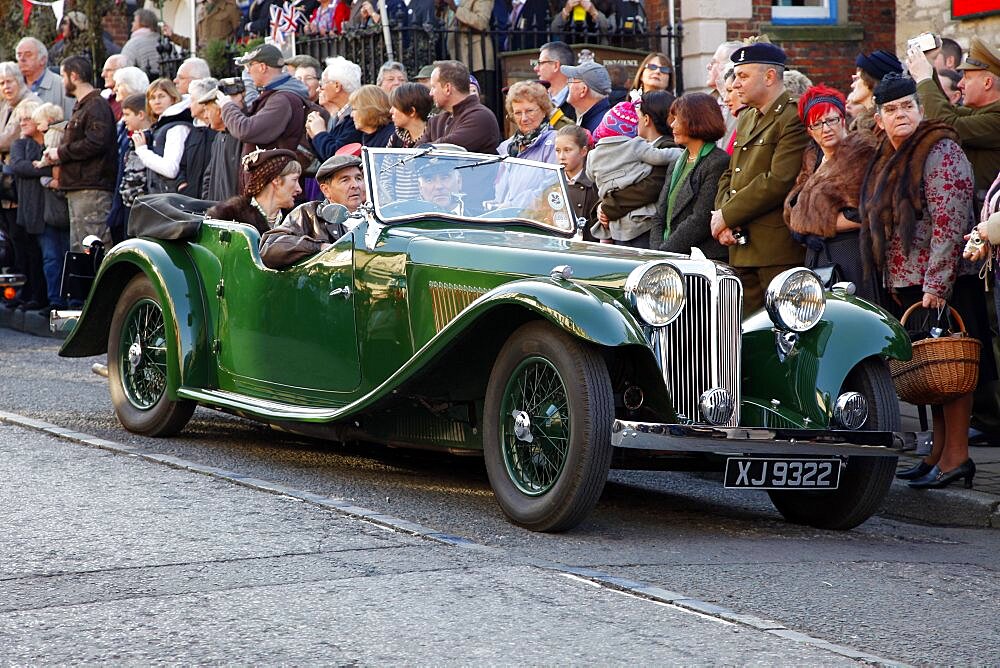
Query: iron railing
point(416, 46)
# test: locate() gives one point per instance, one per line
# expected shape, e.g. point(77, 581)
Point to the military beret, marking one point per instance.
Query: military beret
point(981, 57)
point(333, 165)
point(879, 63)
point(761, 52)
point(894, 86)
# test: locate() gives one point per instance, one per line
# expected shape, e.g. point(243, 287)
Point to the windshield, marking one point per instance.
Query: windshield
point(451, 184)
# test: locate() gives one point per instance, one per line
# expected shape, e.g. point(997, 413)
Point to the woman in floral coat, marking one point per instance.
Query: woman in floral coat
point(916, 206)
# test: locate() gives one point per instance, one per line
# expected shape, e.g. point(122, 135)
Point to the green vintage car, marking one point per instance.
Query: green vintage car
point(460, 320)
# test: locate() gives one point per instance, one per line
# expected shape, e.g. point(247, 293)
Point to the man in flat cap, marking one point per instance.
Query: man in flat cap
point(978, 120)
point(767, 157)
point(314, 226)
point(589, 85)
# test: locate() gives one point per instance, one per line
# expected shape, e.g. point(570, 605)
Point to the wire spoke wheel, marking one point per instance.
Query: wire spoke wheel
point(536, 426)
point(143, 355)
point(139, 362)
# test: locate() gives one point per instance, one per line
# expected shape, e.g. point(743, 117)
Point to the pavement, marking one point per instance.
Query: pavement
point(952, 506)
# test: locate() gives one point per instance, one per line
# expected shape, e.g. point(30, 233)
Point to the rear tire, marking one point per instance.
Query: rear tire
point(864, 481)
point(138, 356)
point(547, 428)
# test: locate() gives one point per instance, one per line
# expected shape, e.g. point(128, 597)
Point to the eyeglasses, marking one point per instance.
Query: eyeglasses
point(525, 112)
point(826, 123)
point(666, 69)
point(890, 109)
point(546, 62)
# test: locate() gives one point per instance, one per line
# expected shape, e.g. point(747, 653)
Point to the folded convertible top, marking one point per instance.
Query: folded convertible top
point(167, 216)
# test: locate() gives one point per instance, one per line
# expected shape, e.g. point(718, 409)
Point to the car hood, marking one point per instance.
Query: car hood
point(527, 254)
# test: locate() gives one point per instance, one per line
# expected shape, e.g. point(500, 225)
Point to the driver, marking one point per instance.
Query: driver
point(441, 184)
point(305, 232)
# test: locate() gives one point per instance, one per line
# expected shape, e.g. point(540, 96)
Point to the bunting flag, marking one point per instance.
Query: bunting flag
point(284, 20)
point(57, 8)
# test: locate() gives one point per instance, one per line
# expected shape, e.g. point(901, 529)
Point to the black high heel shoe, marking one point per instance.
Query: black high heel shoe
point(921, 469)
point(937, 478)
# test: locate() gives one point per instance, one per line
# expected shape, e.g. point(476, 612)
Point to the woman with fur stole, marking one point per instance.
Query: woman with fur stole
point(821, 210)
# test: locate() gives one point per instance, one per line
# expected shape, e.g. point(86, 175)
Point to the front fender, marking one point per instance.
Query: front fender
point(808, 380)
point(584, 311)
point(175, 279)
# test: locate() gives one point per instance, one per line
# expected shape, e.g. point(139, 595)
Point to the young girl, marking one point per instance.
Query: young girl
point(572, 146)
point(624, 157)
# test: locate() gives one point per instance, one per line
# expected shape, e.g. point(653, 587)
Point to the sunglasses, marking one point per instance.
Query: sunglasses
point(666, 69)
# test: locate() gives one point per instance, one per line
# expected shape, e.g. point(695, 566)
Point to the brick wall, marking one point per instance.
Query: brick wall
point(823, 53)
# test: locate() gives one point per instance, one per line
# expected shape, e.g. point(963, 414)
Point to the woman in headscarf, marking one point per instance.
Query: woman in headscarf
point(821, 210)
point(271, 184)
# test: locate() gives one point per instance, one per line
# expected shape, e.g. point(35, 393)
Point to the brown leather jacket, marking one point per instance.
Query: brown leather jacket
point(87, 152)
point(301, 234)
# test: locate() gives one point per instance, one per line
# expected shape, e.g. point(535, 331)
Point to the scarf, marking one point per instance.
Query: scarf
point(520, 141)
point(891, 192)
point(403, 139)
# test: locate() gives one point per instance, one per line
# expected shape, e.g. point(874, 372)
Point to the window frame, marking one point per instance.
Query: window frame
point(823, 15)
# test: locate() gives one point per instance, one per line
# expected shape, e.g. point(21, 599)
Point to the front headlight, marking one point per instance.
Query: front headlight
point(656, 290)
point(795, 300)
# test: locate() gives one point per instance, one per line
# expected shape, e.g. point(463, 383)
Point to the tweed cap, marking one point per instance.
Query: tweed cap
point(262, 166)
point(981, 57)
point(879, 63)
point(893, 87)
point(425, 72)
point(761, 52)
point(593, 74)
point(334, 164)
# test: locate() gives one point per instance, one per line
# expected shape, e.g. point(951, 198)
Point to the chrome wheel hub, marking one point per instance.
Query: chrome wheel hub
point(522, 426)
point(135, 355)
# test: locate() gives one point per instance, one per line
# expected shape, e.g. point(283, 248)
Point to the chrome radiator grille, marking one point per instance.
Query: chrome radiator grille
point(701, 348)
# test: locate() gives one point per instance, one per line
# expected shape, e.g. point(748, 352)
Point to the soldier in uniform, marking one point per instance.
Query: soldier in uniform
point(766, 160)
point(978, 121)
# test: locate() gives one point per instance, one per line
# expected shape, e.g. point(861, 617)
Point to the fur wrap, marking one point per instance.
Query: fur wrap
point(892, 191)
point(821, 192)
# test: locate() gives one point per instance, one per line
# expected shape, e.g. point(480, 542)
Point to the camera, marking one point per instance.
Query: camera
point(742, 237)
point(925, 42)
point(231, 86)
point(974, 243)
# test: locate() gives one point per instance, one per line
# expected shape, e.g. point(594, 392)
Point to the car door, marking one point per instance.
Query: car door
point(288, 335)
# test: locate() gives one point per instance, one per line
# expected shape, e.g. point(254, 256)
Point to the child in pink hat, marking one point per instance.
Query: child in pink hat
point(621, 160)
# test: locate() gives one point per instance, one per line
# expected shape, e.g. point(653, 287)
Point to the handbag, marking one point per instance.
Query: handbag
point(8, 188)
point(55, 209)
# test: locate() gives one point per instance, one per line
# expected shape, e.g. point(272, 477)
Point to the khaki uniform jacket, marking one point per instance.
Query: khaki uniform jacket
point(218, 20)
point(766, 160)
point(471, 20)
point(979, 130)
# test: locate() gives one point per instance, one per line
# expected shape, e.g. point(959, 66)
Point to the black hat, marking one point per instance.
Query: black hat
point(761, 52)
point(268, 54)
point(435, 166)
point(894, 86)
point(879, 63)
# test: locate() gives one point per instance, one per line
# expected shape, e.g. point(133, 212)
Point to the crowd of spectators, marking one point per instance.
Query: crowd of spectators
point(765, 171)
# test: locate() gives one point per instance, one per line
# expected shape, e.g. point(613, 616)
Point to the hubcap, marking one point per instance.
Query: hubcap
point(535, 430)
point(142, 359)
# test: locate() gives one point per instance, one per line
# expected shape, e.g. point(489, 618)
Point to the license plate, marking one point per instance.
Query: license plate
point(781, 473)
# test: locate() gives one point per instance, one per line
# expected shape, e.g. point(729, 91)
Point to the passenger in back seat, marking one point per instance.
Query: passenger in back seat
point(271, 182)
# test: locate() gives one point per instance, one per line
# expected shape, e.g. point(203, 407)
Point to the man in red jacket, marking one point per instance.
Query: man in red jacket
point(87, 155)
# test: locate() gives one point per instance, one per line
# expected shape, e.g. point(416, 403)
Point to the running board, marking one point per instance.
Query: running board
point(274, 410)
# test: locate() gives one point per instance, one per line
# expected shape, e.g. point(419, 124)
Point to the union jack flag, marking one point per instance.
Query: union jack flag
point(284, 21)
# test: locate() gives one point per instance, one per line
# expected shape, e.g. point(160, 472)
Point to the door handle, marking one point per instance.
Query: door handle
point(345, 291)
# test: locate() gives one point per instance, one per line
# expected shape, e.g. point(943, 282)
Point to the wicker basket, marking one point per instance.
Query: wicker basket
point(941, 369)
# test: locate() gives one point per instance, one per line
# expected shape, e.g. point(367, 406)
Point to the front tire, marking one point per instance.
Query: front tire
point(137, 364)
point(865, 481)
point(547, 428)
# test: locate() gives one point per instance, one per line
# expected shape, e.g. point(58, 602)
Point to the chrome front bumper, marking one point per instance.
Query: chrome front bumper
point(754, 440)
point(63, 321)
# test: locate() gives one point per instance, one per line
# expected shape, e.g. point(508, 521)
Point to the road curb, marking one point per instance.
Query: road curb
point(942, 507)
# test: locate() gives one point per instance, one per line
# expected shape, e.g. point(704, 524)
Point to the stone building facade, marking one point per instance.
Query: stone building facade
point(917, 16)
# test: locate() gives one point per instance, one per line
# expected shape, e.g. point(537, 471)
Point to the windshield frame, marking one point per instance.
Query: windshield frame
point(372, 173)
